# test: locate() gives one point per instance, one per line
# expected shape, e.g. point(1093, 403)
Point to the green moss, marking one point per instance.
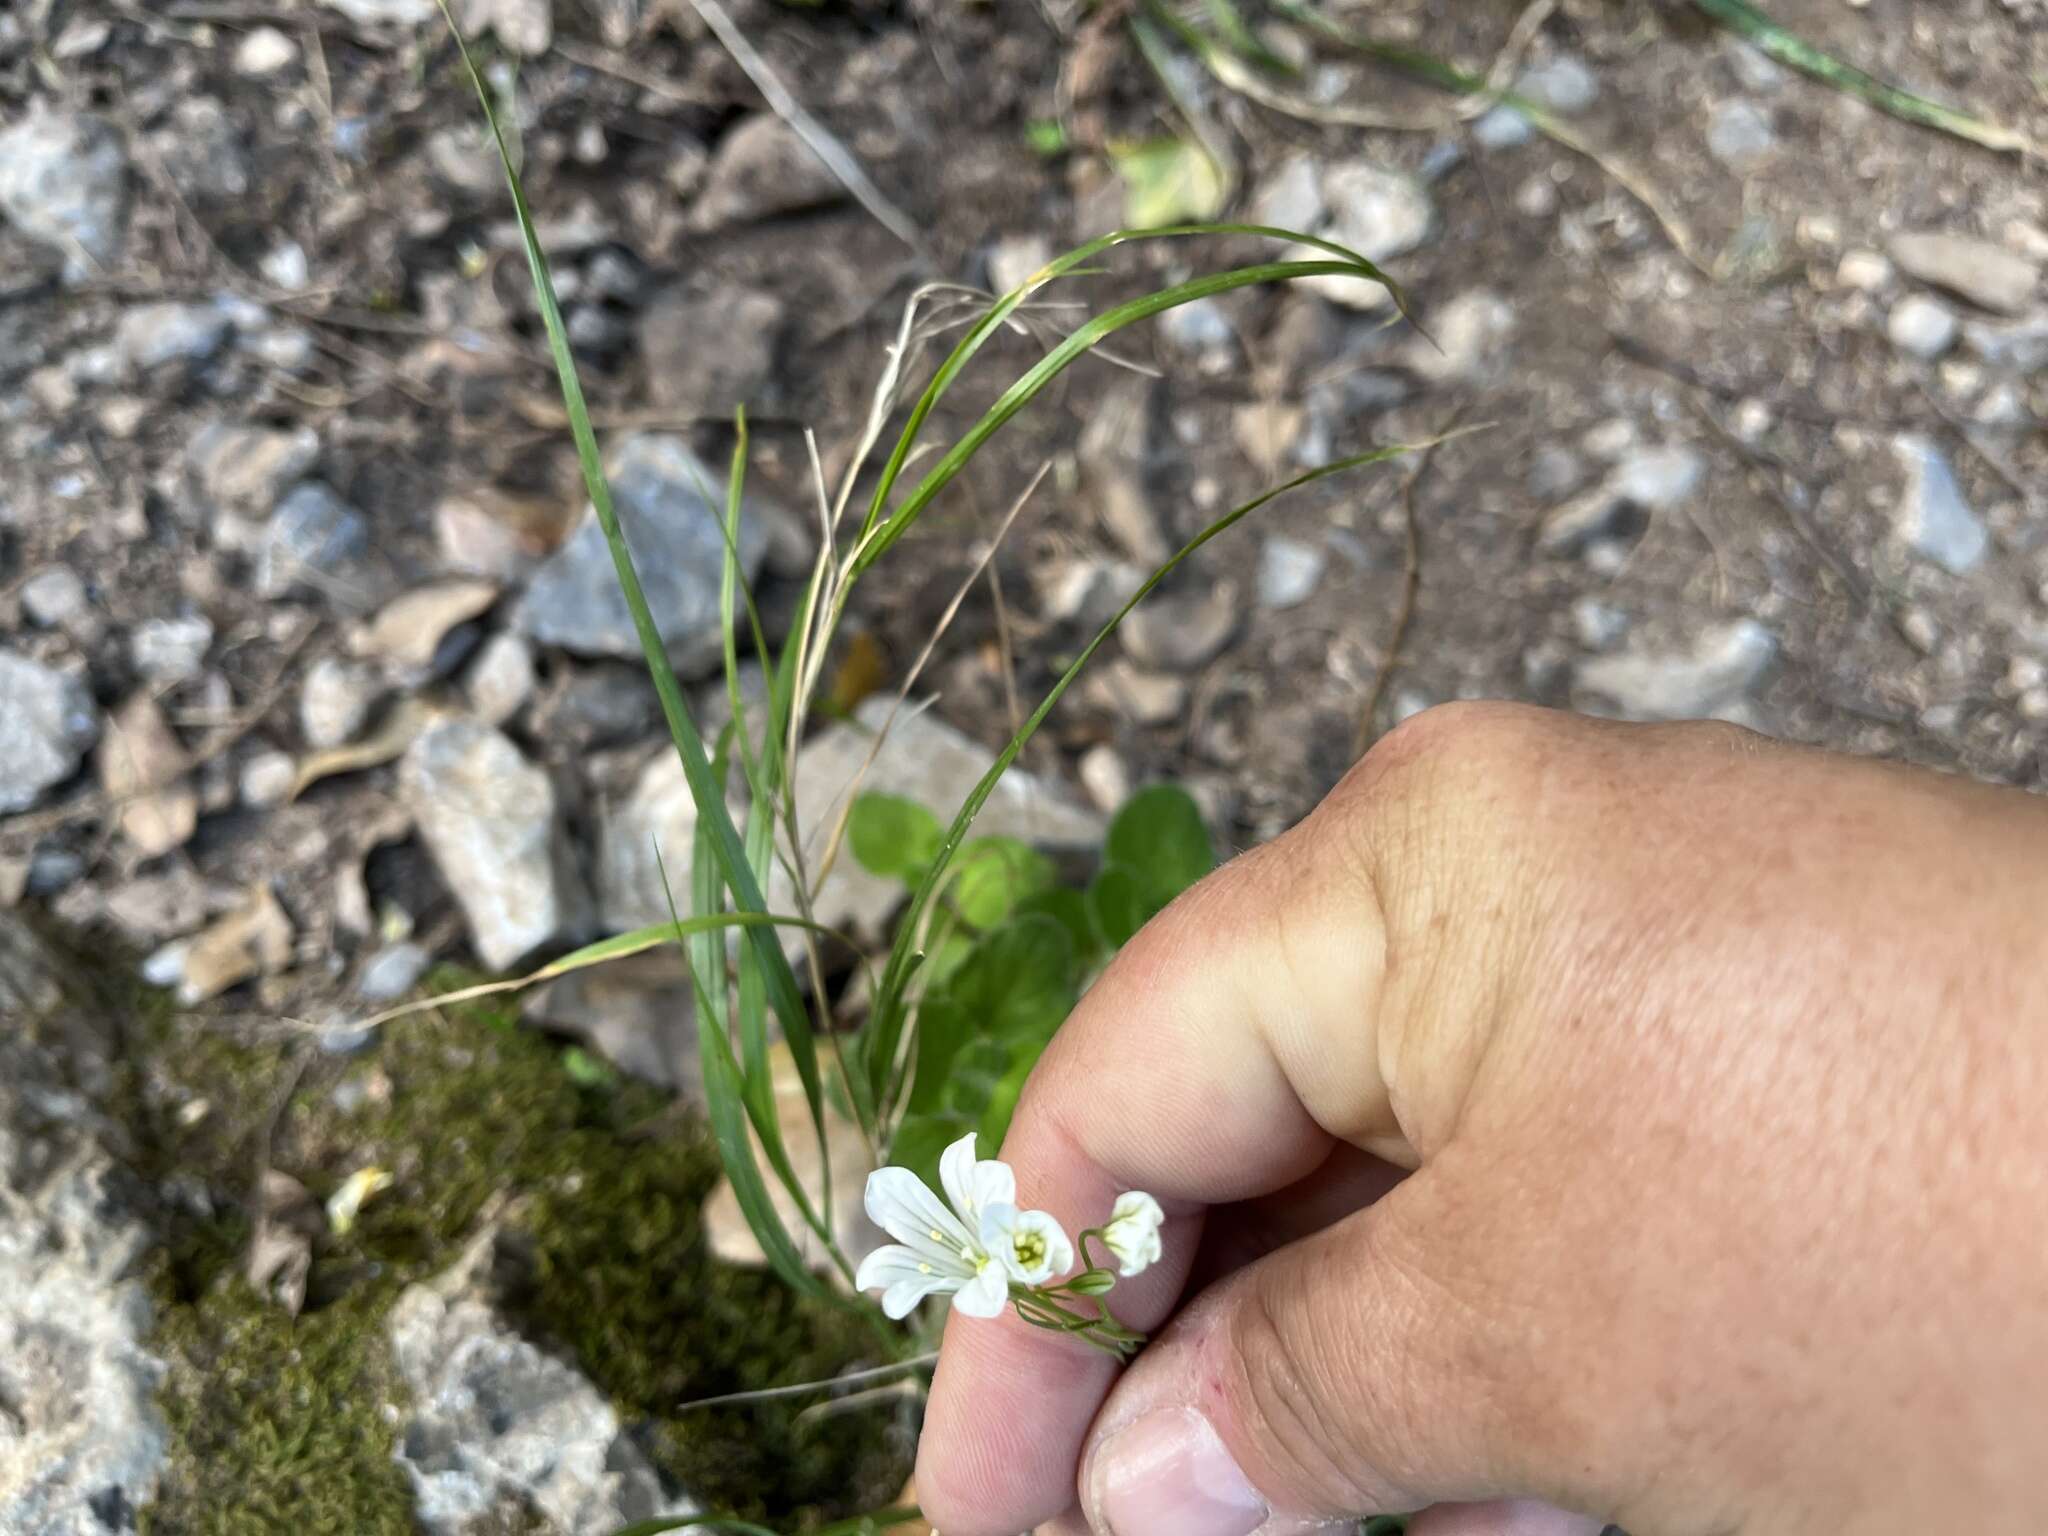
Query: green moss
point(477, 1120)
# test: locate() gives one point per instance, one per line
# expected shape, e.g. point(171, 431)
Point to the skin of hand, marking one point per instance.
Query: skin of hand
point(1645, 1123)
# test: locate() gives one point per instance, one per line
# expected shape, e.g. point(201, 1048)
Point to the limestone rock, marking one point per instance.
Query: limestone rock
point(670, 506)
point(1988, 275)
point(1933, 517)
point(489, 817)
point(497, 1427)
point(64, 181)
point(81, 1441)
point(1709, 679)
point(50, 721)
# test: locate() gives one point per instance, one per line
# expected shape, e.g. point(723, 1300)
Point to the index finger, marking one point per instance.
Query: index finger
point(1215, 1060)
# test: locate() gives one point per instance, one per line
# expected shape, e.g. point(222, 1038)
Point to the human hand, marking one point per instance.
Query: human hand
point(1721, 1068)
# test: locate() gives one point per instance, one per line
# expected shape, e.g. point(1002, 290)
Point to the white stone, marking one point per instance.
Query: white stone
point(1706, 680)
point(489, 818)
point(335, 701)
point(64, 182)
point(50, 720)
point(264, 51)
point(1379, 213)
point(81, 1433)
point(1921, 327)
point(1739, 134)
point(494, 1428)
point(1933, 518)
point(500, 680)
point(266, 779)
point(402, 13)
point(1989, 276)
point(1288, 571)
point(1862, 271)
point(171, 650)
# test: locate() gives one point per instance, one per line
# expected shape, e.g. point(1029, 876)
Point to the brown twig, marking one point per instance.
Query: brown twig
point(1411, 583)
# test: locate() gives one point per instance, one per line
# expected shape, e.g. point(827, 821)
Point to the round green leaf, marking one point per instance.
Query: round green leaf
point(992, 874)
point(1160, 838)
point(893, 837)
point(1021, 981)
point(1119, 905)
point(1068, 908)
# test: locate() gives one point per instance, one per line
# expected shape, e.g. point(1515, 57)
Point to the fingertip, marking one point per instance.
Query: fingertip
point(1003, 1426)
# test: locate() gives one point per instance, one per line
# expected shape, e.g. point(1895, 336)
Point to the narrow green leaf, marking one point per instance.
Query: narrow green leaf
point(1747, 22)
point(710, 802)
point(725, 1090)
point(618, 947)
point(879, 534)
point(752, 1085)
point(1020, 393)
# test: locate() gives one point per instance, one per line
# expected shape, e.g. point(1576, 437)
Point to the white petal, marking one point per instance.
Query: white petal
point(985, 1295)
point(1032, 1246)
point(973, 1185)
point(1132, 1234)
point(904, 1278)
point(901, 1206)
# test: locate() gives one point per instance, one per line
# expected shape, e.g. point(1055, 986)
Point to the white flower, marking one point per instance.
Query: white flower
point(1032, 1246)
point(1133, 1232)
point(969, 1246)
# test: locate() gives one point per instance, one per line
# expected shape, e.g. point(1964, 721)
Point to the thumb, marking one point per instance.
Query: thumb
point(1339, 1377)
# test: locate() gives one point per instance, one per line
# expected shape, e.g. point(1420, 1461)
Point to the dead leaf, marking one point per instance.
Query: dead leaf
point(288, 1223)
point(402, 725)
point(141, 770)
point(253, 940)
point(356, 1191)
point(408, 631)
point(862, 669)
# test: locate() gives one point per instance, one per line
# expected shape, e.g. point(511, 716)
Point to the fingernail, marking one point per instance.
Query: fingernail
point(1168, 1474)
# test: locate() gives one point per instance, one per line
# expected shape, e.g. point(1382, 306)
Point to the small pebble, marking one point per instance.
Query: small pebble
point(1105, 776)
point(54, 598)
point(1288, 571)
point(264, 51)
point(1921, 326)
point(170, 650)
point(266, 779)
point(391, 973)
point(1862, 271)
point(1740, 134)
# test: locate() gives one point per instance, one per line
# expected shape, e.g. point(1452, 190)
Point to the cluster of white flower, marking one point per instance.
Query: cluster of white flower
point(978, 1248)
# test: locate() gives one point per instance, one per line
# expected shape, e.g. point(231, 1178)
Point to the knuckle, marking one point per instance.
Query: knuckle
point(1453, 750)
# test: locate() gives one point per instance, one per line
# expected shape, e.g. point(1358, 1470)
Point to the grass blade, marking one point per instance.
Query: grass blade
point(1347, 262)
point(1751, 24)
point(725, 1088)
point(704, 790)
point(884, 1035)
point(1080, 341)
point(618, 947)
